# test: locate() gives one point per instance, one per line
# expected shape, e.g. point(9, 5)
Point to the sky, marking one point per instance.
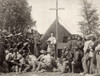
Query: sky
point(69, 17)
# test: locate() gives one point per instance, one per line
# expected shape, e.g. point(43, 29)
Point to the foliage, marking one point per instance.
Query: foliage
point(90, 22)
point(15, 16)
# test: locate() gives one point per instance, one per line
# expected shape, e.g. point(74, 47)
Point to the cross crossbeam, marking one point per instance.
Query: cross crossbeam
point(56, 8)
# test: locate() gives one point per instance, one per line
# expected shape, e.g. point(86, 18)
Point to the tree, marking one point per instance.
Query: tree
point(15, 16)
point(90, 22)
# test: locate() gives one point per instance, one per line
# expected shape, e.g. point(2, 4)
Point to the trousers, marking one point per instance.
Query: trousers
point(85, 63)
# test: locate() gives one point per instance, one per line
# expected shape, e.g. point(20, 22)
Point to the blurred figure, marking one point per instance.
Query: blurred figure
point(9, 59)
point(76, 63)
point(25, 63)
point(66, 60)
point(51, 43)
point(39, 59)
point(88, 55)
point(16, 57)
point(32, 60)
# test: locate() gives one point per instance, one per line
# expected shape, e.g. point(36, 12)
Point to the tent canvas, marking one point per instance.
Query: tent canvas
point(61, 33)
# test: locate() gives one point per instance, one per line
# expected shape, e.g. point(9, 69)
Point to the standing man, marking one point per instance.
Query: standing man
point(88, 55)
point(76, 63)
point(51, 44)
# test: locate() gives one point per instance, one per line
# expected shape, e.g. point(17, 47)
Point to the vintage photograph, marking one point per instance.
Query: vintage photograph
point(49, 37)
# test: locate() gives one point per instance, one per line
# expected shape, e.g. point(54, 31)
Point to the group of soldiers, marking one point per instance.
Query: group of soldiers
point(72, 55)
point(14, 51)
point(80, 55)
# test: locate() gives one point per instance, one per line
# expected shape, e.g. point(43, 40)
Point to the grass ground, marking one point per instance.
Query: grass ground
point(41, 74)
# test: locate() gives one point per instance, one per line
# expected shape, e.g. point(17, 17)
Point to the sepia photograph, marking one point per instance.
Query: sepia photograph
point(49, 37)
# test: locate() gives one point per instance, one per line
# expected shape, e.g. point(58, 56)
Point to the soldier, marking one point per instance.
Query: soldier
point(97, 51)
point(32, 60)
point(87, 55)
point(96, 57)
point(46, 63)
point(66, 61)
point(25, 63)
point(80, 45)
point(16, 57)
point(72, 45)
point(9, 59)
point(36, 63)
point(76, 60)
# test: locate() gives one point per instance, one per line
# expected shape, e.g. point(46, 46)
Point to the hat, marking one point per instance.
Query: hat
point(19, 43)
point(15, 50)
point(18, 34)
point(11, 50)
point(42, 51)
point(10, 35)
point(6, 51)
point(26, 43)
point(28, 39)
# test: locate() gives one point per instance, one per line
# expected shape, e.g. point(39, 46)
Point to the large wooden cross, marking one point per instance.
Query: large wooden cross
point(57, 10)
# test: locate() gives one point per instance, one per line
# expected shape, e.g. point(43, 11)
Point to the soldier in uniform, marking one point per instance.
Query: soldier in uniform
point(76, 60)
point(96, 57)
point(66, 61)
point(87, 55)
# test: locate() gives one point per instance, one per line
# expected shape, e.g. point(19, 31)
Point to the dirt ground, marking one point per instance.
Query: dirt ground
point(41, 74)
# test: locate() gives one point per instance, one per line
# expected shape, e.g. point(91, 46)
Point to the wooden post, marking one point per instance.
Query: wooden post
point(56, 50)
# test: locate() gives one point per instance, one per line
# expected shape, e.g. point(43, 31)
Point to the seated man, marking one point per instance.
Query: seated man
point(46, 62)
point(32, 59)
point(76, 60)
point(17, 57)
point(9, 59)
point(38, 60)
point(66, 61)
point(25, 63)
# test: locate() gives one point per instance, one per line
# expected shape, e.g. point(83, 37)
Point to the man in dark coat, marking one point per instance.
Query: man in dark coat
point(66, 60)
point(76, 60)
point(96, 57)
point(80, 45)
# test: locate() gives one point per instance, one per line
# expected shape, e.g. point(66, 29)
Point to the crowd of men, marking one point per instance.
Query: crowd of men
point(80, 55)
point(14, 49)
